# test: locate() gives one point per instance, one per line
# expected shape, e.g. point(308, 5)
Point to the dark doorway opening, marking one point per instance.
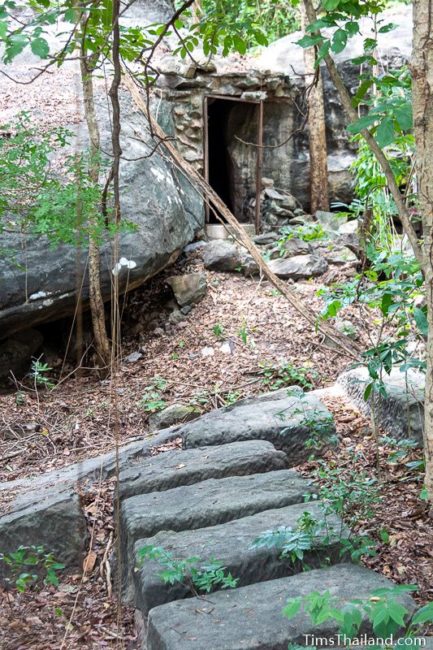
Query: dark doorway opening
point(218, 158)
point(235, 175)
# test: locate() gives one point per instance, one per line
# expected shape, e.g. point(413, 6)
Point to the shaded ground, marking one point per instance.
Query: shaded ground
point(44, 430)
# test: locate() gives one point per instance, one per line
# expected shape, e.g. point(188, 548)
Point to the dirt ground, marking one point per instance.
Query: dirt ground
point(214, 356)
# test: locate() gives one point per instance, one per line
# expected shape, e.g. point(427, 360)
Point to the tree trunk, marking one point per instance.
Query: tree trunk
point(115, 174)
point(422, 85)
point(319, 194)
point(95, 295)
point(346, 102)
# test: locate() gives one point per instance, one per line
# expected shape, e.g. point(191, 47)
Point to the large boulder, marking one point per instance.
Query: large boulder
point(399, 409)
point(222, 255)
point(40, 282)
point(299, 266)
point(292, 420)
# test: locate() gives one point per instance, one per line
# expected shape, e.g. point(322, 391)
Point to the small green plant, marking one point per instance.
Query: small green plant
point(195, 574)
point(383, 609)
point(243, 333)
point(307, 232)
point(218, 330)
point(152, 400)
point(293, 543)
point(351, 496)
point(286, 374)
point(231, 397)
point(28, 565)
point(402, 453)
point(38, 374)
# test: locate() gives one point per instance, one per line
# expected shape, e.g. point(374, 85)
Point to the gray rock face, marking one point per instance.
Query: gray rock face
point(221, 255)
point(172, 469)
point(53, 520)
point(288, 422)
point(339, 255)
point(164, 208)
point(189, 288)
point(250, 618)
point(207, 503)
point(173, 414)
point(231, 544)
point(291, 248)
point(401, 412)
point(299, 266)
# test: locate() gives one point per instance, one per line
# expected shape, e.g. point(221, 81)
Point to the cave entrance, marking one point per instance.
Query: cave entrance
point(232, 164)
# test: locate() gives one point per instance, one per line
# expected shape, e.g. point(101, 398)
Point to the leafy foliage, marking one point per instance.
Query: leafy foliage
point(196, 574)
point(28, 565)
point(384, 609)
point(286, 374)
point(152, 400)
point(351, 497)
point(293, 543)
point(39, 374)
point(40, 195)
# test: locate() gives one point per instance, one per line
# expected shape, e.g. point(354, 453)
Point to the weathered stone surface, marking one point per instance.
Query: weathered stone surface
point(287, 421)
point(249, 266)
point(231, 544)
point(266, 238)
point(299, 266)
point(40, 284)
point(172, 469)
point(290, 248)
point(102, 466)
point(53, 519)
point(340, 255)
point(16, 352)
point(330, 221)
point(189, 288)
point(173, 414)
point(250, 618)
point(221, 255)
point(207, 503)
point(401, 412)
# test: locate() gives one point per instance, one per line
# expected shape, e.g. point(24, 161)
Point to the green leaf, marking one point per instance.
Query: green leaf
point(330, 5)
point(261, 38)
point(40, 47)
point(339, 41)
point(239, 44)
point(309, 41)
point(3, 29)
point(386, 303)
point(423, 615)
point(352, 27)
point(397, 612)
point(385, 134)
point(387, 28)
point(15, 45)
point(420, 317)
point(367, 391)
point(404, 116)
point(292, 607)
point(363, 123)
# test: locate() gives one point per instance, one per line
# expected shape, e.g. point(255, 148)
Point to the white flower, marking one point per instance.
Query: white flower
point(123, 262)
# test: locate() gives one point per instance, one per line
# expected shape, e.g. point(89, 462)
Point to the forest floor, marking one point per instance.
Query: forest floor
point(216, 355)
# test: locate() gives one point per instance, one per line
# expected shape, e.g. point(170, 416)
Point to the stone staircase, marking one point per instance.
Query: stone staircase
point(212, 501)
